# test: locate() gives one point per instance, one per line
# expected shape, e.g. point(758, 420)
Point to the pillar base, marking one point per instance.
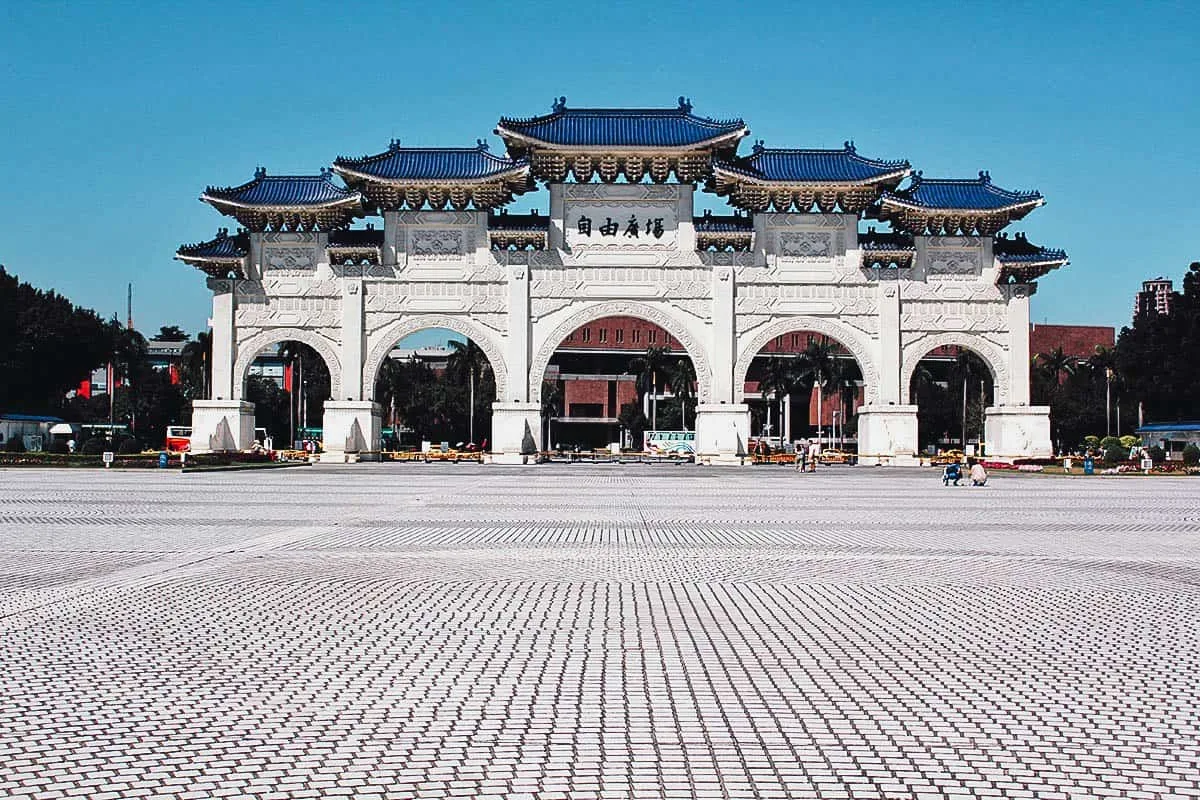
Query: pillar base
point(516, 432)
point(352, 431)
point(1012, 432)
point(722, 433)
point(222, 426)
point(887, 435)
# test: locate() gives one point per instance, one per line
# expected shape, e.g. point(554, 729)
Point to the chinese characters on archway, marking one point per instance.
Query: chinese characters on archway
point(631, 229)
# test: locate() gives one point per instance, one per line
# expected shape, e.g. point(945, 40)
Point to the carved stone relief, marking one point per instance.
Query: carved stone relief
point(280, 259)
point(438, 244)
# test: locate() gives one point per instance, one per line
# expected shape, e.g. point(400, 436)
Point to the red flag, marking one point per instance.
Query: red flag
point(85, 388)
point(287, 377)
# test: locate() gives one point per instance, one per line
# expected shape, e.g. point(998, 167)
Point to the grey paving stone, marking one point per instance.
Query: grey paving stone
point(433, 632)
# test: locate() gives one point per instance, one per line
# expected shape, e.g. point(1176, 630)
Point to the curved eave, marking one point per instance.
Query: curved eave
point(732, 174)
point(517, 174)
point(198, 260)
point(1015, 210)
point(533, 143)
point(221, 204)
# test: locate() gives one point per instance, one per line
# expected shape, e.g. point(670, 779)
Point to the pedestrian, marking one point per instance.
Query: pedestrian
point(71, 446)
point(979, 475)
point(801, 455)
point(951, 472)
point(814, 453)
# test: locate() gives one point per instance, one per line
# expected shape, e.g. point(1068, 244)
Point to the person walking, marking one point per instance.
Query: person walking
point(801, 455)
point(814, 454)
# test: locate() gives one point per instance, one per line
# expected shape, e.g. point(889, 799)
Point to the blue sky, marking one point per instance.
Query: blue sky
point(116, 116)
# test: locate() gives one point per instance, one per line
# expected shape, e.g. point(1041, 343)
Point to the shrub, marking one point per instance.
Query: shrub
point(1191, 455)
point(1109, 442)
point(1129, 441)
point(1115, 455)
point(94, 446)
point(1156, 454)
point(129, 446)
point(1091, 443)
point(15, 445)
point(59, 448)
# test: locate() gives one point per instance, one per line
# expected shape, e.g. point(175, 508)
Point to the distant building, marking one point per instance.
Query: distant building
point(1079, 342)
point(1155, 297)
point(1172, 437)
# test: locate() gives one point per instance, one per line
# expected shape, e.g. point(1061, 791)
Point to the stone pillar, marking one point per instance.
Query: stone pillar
point(223, 355)
point(887, 435)
point(889, 391)
point(391, 238)
point(222, 426)
point(722, 433)
point(1018, 345)
point(555, 238)
point(225, 422)
point(517, 353)
point(352, 431)
point(721, 348)
point(516, 432)
point(786, 422)
point(352, 339)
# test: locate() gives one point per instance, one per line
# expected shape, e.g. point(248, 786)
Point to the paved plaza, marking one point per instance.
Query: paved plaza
point(439, 631)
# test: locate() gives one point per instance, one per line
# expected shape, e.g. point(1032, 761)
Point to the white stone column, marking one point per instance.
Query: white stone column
point(722, 433)
point(517, 352)
point(223, 355)
point(352, 431)
point(786, 422)
point(1018, 345)
point(887, 428)
point(224, 422)
point(391, 238)
point(555, 239)
point(685, 228)
point(352, 339)
point(721, 348)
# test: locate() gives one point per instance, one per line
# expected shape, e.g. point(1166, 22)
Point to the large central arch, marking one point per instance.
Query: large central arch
point(854, 340)
point(650, 313)
point(386, 338)
point(249, 349)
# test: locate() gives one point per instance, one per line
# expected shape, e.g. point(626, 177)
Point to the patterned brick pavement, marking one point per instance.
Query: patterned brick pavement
point(412, 631)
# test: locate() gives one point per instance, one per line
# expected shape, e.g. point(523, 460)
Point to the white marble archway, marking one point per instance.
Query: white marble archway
point(326, 348)
point(645, 311)
point(856, 341)
point(991, 354)
point(385, 338)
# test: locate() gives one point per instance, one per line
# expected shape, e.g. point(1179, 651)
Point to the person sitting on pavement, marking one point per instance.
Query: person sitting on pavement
point(978, 474)
point(952, 472)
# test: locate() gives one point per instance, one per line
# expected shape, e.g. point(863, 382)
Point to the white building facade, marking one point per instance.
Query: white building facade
point(620, 236)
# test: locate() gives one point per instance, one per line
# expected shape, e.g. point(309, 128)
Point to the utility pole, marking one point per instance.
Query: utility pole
point(129, 307)
point(1108, 401)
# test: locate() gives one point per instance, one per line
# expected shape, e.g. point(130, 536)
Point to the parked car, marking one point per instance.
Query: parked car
point(836, 457)
point(948, 457)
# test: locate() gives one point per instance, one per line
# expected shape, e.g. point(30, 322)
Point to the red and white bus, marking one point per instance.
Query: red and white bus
point(179, 438)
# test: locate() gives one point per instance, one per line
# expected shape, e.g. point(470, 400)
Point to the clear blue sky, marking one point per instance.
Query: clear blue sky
point(116, 116)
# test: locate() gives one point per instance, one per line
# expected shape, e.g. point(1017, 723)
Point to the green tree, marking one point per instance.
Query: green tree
point(780, 378)
point(818, 363)
point(681, 376)
point(552, 402)
point(650, 368)
point(468, 363)
point(196, 367)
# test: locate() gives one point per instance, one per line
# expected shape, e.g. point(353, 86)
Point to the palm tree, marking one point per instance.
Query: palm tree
point(819, 363)
point(682, 377)
point(647, 368)
point(780, 379)
point(469, 360)
point(552, 400)
point(1056, 362)
point(1105, 359)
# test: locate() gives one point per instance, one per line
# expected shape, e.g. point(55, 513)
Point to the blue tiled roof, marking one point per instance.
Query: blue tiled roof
point(223, 246)
point(813, 166)
point(966, 195)
point(1019, 250)
point(1157, 427)
point(621, 127)
point(430, 163)
point(278, 191)
point(723, 223)
point(518, 222)
point(356, 238)
point(885, 240)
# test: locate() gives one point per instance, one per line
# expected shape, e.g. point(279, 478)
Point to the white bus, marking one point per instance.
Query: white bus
point(663, 443)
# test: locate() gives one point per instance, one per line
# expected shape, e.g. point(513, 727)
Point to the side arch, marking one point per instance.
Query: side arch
point(623, 308)
point(992, 354)
point(386, 338)
point(326, 348)
point(857, 342)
